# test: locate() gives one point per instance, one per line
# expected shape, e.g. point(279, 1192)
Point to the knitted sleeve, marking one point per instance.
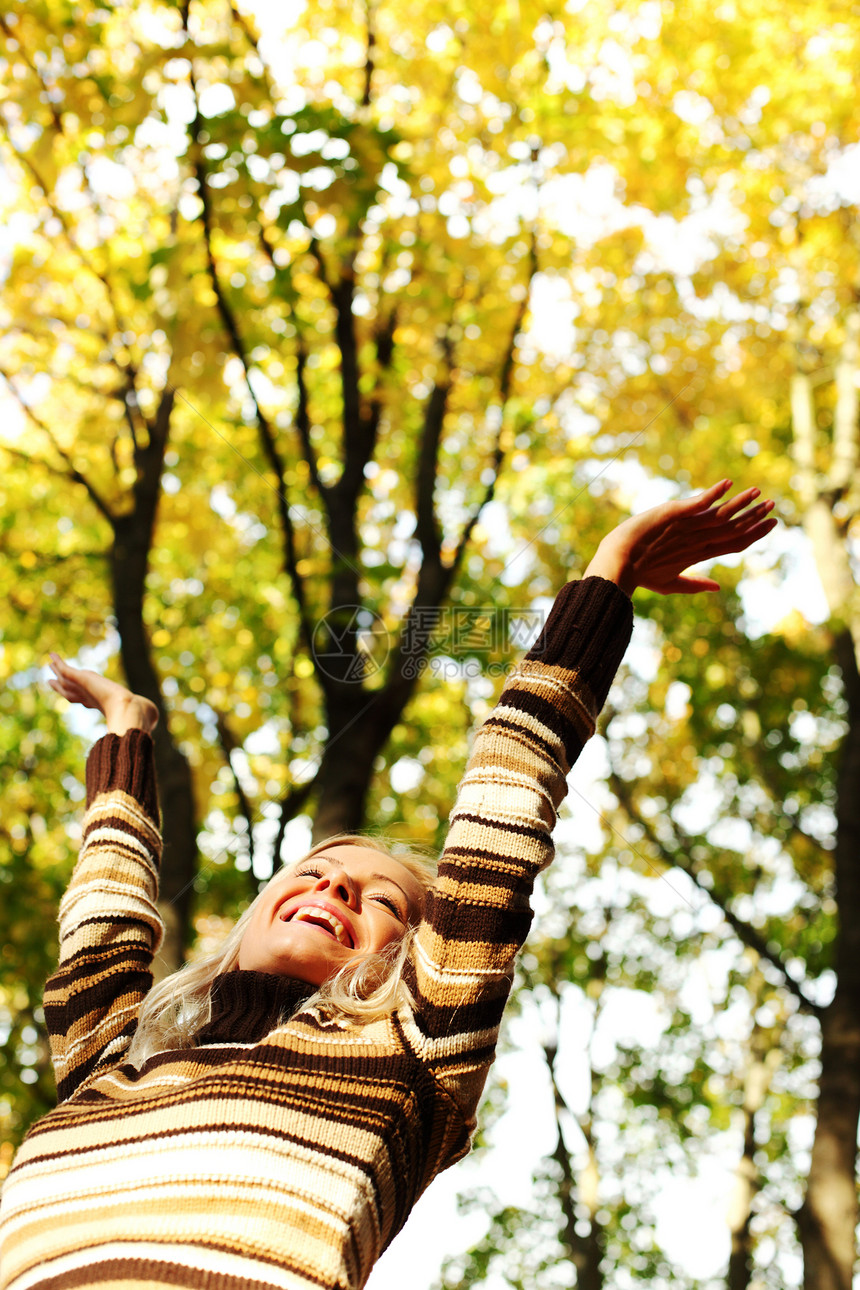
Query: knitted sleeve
point(109, 923)
point(499, 840)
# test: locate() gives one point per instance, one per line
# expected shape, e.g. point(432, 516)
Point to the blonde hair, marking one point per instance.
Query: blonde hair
point(179, 1008)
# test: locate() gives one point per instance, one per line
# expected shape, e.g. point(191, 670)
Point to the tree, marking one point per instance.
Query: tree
point(743, 344)
point(797, 325)
point(265, 336)
point(274, 312)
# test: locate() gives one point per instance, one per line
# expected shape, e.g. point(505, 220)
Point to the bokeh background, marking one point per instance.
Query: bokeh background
point(334, 336)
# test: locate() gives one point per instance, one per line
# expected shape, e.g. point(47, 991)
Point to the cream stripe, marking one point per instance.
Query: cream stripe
point(473, 976)
point(505, 781)
point(130, 840)
point(115, 803)
point(448, 1045)
point(206, 1191)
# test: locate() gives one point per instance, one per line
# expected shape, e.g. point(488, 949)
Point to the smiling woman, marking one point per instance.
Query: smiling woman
point(340, 902)
point(266, 1120)
point(348, 948)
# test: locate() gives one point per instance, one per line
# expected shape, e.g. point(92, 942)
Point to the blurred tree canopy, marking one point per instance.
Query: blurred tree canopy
point(333, 338)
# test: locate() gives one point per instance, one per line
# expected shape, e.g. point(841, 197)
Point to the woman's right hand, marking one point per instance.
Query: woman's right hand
point(121, 709)
point(652, 549)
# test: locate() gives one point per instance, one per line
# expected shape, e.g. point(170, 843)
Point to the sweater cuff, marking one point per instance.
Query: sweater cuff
point(587, 631)
point(124, 763)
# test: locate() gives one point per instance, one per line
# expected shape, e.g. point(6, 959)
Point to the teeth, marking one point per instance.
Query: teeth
point(313, 913)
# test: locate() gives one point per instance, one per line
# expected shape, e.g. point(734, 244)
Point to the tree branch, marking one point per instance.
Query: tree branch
point(678, 858)
point(764, 1057)
point(846, 417)
point(71, 471)
point(60, 216)
point(369, 56)
point(231, 326)
point(358, 440)
point(426, 526)
point(247, 30)
point(434, 579)
point(229, 745)
point(586, 1252)
point(302, 418)
point(505, 382)
point(303, 422)
point(52, 108)
point(291, 803)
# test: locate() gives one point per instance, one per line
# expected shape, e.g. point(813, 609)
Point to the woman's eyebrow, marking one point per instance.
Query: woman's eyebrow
point(383, 877)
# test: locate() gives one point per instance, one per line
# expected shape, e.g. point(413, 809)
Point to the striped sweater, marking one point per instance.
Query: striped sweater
point(288, 1155)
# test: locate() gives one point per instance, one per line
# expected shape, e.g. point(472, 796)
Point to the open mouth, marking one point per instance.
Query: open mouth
point(324, 920)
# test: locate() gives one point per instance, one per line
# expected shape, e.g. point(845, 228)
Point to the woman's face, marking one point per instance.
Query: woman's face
point(322, 912)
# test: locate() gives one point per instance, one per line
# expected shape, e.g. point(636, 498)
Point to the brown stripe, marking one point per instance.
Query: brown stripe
point(357, 1107)
point(79, 966)
point(258, 1130)
point(503, 826)
point(108, 989)
point(534, 705)
point(476, 875)
point(437, 1020)
point(492, 925)
point(174, 1274)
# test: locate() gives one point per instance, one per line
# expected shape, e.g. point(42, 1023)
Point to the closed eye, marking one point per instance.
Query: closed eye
point(392, 905)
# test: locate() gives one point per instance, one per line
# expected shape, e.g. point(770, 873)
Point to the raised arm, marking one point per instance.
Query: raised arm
point(109, 924)
point(500, 835)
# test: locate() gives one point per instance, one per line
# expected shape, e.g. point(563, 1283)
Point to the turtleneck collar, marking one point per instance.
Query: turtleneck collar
point(247, 1005)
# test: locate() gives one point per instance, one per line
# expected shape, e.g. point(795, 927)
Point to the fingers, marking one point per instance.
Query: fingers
point(73, 684)
point(71, 692)
point(741, 523)
point(63, 679)
point(718, 530)
point(728, 510)
point(689, 583)
point(746, 538)
point(680, 534)
point(709, 535)
point(703, 501)
point(735, 510)
point(59, 666)
point(706, 519)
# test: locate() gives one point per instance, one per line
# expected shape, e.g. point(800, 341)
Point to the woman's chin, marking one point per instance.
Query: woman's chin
point(311, 963)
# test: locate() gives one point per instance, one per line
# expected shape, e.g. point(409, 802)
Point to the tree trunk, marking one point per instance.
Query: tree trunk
point(763, 1061)
point(129, 558)
point(359, 725)
point(175, 793)
point(828, 1217)
point(585, 1252)
point(827, 1220)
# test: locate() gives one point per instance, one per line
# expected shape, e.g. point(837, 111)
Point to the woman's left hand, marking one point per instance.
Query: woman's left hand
point(122, 710)
point(654, 548)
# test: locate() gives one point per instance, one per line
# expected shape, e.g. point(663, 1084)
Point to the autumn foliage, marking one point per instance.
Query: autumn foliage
point(333, 338)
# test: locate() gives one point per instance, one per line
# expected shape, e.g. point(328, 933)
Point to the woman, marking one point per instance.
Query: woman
point(277, 1130)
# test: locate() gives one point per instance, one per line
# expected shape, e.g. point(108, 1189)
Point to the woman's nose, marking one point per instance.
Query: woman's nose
point(339, 883)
